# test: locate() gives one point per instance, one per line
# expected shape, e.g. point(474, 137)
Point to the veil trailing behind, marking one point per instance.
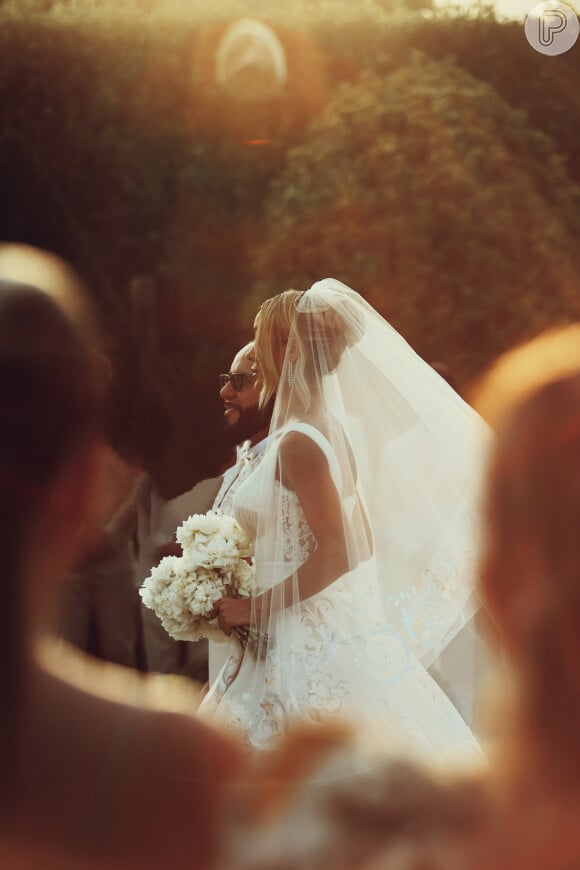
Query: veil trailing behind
point(364, 510)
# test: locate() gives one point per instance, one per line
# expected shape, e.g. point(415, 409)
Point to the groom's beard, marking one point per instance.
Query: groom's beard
point(249, 423)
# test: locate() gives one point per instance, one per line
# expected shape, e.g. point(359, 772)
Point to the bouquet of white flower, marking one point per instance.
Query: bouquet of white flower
point(216, 561)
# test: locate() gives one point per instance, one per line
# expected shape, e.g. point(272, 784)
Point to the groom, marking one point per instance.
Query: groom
point(247, 428)
point(247, 424)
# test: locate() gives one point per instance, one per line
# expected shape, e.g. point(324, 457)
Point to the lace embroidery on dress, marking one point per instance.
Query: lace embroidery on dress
point(306, 663)
point(298, 542)
point(423, 612)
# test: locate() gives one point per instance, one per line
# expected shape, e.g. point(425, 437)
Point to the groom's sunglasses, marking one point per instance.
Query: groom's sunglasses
point(238, 380)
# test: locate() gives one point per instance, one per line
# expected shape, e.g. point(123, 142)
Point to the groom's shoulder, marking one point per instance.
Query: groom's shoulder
point(197, 500)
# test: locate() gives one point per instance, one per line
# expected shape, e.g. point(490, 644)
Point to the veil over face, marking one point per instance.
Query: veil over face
point(364, 510)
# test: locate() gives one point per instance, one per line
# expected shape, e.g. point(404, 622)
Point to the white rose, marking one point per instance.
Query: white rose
point(244, 579)
point(244, 542)
point(208, 524)
point(162, 575)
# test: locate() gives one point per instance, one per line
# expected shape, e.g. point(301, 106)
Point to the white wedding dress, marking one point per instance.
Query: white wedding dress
point(334, 653)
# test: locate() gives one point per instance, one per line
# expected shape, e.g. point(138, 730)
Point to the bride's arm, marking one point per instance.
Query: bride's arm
point(304, 470)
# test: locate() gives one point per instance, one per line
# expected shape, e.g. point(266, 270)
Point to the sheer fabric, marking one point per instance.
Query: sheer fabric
point(364, 513)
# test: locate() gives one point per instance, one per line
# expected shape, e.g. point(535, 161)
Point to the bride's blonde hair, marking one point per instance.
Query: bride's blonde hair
point(276, 318)
point(319, 334)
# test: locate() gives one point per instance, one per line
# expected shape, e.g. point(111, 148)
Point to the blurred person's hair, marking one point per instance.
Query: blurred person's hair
point(520, 371)
point(531, 568)
point(48, 272)
point(49, 401)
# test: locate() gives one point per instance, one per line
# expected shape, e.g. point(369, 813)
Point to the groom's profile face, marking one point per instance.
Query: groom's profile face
point(241, 413)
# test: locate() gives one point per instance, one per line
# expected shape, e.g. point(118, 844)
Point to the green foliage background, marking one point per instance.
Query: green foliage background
point(428, 160)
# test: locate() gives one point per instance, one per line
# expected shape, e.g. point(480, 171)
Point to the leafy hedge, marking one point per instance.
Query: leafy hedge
point(423, 159)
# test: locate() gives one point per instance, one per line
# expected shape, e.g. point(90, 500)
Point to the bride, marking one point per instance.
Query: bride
point(364, 516)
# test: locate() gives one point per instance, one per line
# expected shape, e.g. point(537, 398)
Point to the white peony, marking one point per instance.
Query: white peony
point(245, 579)
point(197, 527)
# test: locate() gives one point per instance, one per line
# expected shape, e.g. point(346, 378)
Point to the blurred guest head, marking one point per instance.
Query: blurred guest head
point(86, 782)
point(55, 277)
point(531, 565)
point(49, 404)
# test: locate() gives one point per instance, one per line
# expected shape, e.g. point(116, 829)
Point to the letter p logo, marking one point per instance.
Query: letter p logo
point(550, 23)
point(552, 27)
